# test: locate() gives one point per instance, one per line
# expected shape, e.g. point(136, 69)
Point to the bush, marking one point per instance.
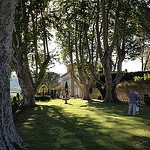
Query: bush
point(139, 75)
point(137, 78)
point(42, 98)
point(129, 76)
point(145, 77)
point(16, 102)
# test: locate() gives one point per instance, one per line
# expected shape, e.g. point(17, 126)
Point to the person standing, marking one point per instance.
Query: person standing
point(138, 104)
point(132, 102)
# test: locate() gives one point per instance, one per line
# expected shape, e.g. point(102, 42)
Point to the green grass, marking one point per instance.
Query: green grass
point(83, 125)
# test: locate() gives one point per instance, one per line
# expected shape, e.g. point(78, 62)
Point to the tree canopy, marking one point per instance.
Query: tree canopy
point(52, 80)
point(31, 52)
point(98, 32)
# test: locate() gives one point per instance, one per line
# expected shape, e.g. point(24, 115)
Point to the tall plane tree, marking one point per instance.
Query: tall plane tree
point(72, 21)
point(143, 34)
point(31, 54)
point(9, 137)
point(103, 28)
point(115, 30)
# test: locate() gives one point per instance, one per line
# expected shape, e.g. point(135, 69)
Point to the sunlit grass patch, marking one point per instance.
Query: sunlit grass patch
point(83, 125)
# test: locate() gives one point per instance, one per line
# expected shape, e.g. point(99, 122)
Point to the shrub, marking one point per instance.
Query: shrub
point(16, 102)
point(42, 89)
point(42, 98)
point(145, 77)
point(137, 78)
point(128, 76)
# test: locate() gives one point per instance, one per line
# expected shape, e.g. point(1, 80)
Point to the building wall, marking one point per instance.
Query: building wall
point(67, 78)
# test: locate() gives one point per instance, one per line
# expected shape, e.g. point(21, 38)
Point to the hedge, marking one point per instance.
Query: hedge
point(128, 76)
point(42, 98)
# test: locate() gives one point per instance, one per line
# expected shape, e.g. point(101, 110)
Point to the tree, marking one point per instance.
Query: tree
point(115, 29)
point(97, 32)
point(66, 88)
point(143, 34)
point(31, 55)
point(52, 80)
point(9, 138)
point(72, 35)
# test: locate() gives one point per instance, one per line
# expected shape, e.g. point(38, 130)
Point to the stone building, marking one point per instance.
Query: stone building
point(73, 89)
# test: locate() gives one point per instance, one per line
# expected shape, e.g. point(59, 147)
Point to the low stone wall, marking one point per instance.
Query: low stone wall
point(141, 88)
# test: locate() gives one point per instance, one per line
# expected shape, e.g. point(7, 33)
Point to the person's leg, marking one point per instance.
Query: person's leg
point(130, 107)
point(134, 109)
point(137, 110)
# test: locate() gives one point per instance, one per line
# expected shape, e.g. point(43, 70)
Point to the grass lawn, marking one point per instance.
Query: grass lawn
point(83, 125)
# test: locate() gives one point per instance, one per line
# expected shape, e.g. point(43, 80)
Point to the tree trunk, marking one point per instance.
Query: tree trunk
point(111, 95)
point(110, 87)
point(27, 91)
point(108, 84)
point(20, 64)
point(72, 86)
point(86, 93)
point(9, 138)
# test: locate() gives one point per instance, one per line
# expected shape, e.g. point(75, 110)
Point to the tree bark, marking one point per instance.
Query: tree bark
point(20, 65)
point(29, 89)
point(110, 85)
point(86, 93)
point(85, 82)
point(9, 137)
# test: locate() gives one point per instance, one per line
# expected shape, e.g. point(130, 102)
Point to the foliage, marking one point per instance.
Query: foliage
point(137, 78)
point(66, 88)
point(83, 125)
point(42, 98)
point(16, 102)
point(42, 88)
point(52, 80)
point(128, 76)
point(145, 77)
point(31, 52)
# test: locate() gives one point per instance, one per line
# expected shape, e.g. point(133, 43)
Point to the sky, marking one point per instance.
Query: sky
point(59, 68)
point(132, 66)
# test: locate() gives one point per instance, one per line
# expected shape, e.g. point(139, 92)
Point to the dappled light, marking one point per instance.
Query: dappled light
point(83, 126)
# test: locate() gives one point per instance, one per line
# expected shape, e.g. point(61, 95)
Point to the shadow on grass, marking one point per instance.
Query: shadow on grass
point(48, 128)
point(51, 128)
point(120, 109)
